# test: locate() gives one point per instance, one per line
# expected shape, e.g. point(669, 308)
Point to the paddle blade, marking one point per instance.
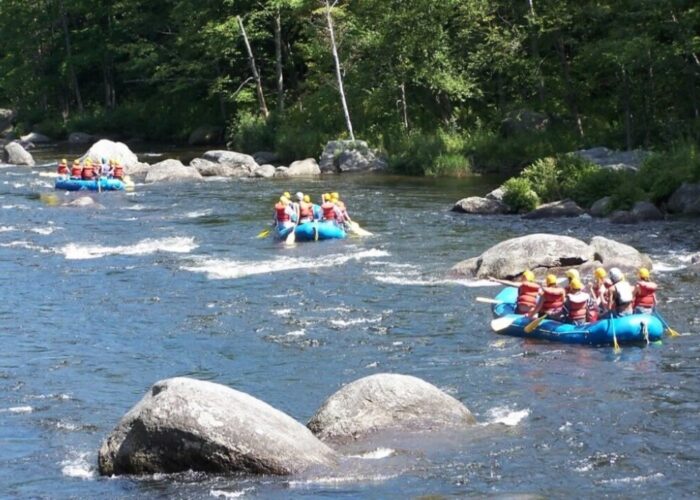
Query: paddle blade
point(487, 300)
point(500, 324)
point(672, 332)
point(264, 233)
point(291, 238)
point(616, 346)
point(356, 229)
point(530, 327)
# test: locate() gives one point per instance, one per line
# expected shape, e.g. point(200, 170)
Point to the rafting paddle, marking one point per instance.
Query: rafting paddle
point(502, 323)
point(530, 327)
point(671, 331)
point(616, 346)
point(487, 300)
point(356, 229)
point(264, 233)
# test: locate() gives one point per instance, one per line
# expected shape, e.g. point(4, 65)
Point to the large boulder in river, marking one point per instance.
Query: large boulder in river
point(172, 170)
point(615, 254)
point(231, 159)
point(7, 116)
point(186, 424)
point(510, 258)
point(685, 200)
point(265, 171)
point(208, 168)
point(387, 401)
point(601, 207)
point(15, 154)
point(300, 168)
point(350, 156)
point(479, 205)
point(36, 138)
point(104, 148)
point(564, 208)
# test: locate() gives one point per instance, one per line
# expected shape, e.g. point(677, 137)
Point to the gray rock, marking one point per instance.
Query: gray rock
point(7, 116)
point(614, 160)
point(265, 171)
point(387, 402)
point(85, 201)
point(644, 210)
point(80, 138)
point(281, 171)
point(564, 208)
point(205, 134)
point(264, 157)
point(138, 168)
point(523, 121)
point(623, 217)
point(186, 424)
point(104, 148)
point(685, 200)
point(172, 170)
point(512, 257)
point(478, 205)
point(36, 138)
point(202, 165)
point(612, 253)
point(300, 168)
point(350, 156)
point(208, 168)
point(601, 207)
point(496, 194)
point(231, 159)
point(695, 259)
point(15, 154)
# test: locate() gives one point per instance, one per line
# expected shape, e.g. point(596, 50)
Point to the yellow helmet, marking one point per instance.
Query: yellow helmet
point(528, 275)
point(76, 162)
point(284, 200)
point(572, 274)
point(600, 273)
point(335, 196)
point(576, 284)
point(64, 162)
point(307, 198)
point(88, 161)
point(286, 194)
point(325, 196)
point(644, 273)
point(551, 280)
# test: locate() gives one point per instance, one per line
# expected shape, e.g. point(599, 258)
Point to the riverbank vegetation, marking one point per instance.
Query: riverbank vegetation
point(444, 87)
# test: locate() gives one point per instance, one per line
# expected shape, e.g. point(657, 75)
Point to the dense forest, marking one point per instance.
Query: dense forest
point(428, 81)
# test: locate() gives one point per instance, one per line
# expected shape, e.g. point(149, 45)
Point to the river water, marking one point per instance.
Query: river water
point(170, 280)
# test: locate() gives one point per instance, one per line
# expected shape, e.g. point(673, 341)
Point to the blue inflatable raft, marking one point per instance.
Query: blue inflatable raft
point(631, 329)
point(105, 184)
point(313, 231)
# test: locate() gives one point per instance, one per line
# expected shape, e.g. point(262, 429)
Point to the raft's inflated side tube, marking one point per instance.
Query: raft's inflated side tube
point(105, 184)
point(631, 329)
point(312, 231)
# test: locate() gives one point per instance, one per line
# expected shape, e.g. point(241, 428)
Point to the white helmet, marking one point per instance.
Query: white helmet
point(299, 196)
point(616, 275)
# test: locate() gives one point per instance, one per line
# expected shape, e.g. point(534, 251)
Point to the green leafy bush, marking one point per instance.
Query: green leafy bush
point(519, 195)
point(434, 154)
point(544, 178)
point(250, 133)
point(662, 173)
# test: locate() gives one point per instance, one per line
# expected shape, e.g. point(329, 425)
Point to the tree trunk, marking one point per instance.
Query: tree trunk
point(404, 106)
point(628, 110)
point(254, 70)
point(278, 63)
point(570, 94)
point(108, 69)
point(69, 57)
point(338, 73)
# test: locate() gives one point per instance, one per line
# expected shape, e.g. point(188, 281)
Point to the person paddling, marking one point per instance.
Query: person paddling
point(579, 304)
point(644, 293)
point(600, 288)
point(117, 170)
point(621, 294)
point(342, 209)
point(528, 292)
point(330, 210)
point(76, 171)
point(88, 172)
point(63, 168)
point(551, 301)
point(284, 216)
point(571, 274)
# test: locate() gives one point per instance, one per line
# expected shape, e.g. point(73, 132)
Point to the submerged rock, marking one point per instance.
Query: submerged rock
point(478, 205)
point(15, 154)
point(172, 170)
point(186, 424)
point(387, 401)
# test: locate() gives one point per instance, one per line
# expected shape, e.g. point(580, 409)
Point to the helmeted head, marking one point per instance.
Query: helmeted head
point(76, 162)
point(600, 273)
point(325, 197)
point(335, 196)
point(643, 273)
point(286, 194)
point(284, 200)
point(104, 160)
point(616, 275)
point(299, 196)
point(64, 162)
point(572, 274)
point(550, 280)
point(528, 276)
point(88, 161)
point(307, 198)
point(576, 284)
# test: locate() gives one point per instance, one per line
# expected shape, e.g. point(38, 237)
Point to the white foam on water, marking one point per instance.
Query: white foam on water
point(229, 494)
point(231, 269)
point(377, 454)
point(137, 207)
point(43, 230)
point(7, 229)
point(636, 479)
point(67, 426)
point(177, 244)
point(24, 244)
point(341, 480)
point(78, 466)
point(18, 409)
point(19, 207)
point(18, 185)
point(48, 174)
point(199, 213)
point(282, 312)
point(297, 333)
point(663, 267)
point(354, 321)
point(506, 416)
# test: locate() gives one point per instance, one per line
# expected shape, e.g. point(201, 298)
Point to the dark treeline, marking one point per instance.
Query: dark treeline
point(430, 81)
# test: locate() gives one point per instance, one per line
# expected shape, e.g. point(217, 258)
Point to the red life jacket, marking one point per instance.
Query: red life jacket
point(118, 172)
point(552, 298)
point(76, 171)
point(645, 296)
point(62, 169)
point(328, 210)
point(88, 172)
point(578, 305)
point(527, 297)
point(281, 213)
point(306, 211)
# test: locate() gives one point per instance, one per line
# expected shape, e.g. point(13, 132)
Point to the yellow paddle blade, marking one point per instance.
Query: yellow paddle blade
point(264, 233)
point(672, 332)
point(499, 324)
point(616, 346)
point(50, 199)
point(530, 327)
point(356, 229)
